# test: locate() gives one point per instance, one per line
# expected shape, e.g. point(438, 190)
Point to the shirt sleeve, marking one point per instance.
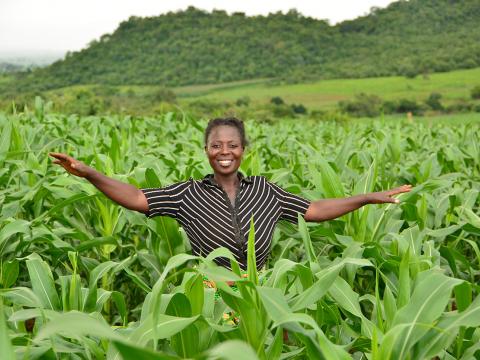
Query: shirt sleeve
point(291, 204)
point(165, 201)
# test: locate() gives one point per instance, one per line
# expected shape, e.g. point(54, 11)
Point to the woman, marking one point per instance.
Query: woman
point(216, 210)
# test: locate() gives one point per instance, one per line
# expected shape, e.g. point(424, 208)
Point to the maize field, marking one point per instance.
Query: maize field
point(83, 278)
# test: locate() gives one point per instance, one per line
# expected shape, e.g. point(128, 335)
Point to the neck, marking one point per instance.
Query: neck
point(227, 181)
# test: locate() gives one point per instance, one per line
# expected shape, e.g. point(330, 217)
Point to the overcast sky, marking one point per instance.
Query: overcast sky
point(29, 26)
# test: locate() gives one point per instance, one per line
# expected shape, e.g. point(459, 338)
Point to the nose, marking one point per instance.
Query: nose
point(225, 149)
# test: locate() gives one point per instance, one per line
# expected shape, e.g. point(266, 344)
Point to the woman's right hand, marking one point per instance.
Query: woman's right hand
point(70, 164)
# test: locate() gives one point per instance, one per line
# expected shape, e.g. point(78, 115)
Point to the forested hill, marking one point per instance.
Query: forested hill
point(198, 47)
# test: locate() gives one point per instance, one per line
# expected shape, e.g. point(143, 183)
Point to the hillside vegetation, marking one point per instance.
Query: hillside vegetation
point(196, 47)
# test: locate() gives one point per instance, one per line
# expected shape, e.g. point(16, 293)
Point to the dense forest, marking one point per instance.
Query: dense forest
point(198, 47)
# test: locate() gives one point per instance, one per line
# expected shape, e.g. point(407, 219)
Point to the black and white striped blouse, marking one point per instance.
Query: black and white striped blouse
point(206, 213)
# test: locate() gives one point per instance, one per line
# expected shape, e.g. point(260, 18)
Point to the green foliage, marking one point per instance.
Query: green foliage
point(83, 279)
point(282, 111)
point(460, 106)
point(362, 105)
point(408, 106)
point(243, 101)
point(197, 47)
point(277, 100)
point(475, 92)
point(433, 101)
point(299, 109)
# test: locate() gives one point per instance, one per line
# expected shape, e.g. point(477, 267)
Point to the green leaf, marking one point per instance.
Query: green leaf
point(129, 351)
point(469, 216)
point(463, 295)
point(389, 305)
point(429, 299)
point(165, 327)
point(95, 275)
point(195, 292)
point(9, 273)
point(251, 259)
point(56, 209)
point(12, 228)
point(277, 308)
point(232, 350)
point(119, 300)
point(346, 298)
point(5, 343)
point(76, 324)
point(404, 280)
point(330, 181)
point(151, 179)
point(42, 282)
point(5, 140)
point(444, 232)
point(274, 350)
point(444, 332)
point(307, 241)
point(185, 343)
point(326, 278)
point(22, 296)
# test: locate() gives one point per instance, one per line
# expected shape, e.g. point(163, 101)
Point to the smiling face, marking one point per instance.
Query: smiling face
point(224, 149)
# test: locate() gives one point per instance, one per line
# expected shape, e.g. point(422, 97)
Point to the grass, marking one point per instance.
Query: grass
point(452, 86)
point(444, 119)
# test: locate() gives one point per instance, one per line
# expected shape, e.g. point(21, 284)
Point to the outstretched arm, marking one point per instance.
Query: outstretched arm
point(123, 194)
point(329, 209)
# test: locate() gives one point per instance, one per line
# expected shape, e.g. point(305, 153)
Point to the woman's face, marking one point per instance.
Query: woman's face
point(224, 149)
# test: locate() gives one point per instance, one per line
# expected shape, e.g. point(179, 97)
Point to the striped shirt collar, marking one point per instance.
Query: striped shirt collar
point(209, 179)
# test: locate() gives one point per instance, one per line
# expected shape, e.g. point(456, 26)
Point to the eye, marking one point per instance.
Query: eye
point(215, 146)
point(233, 146)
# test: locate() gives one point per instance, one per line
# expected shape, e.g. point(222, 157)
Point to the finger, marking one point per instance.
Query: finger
point(60, 156)
point(400, 190)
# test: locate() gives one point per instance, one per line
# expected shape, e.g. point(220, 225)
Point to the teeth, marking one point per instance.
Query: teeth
point(225, 162)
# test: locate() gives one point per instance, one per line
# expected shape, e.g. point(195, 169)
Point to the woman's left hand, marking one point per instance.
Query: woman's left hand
point(383, 197)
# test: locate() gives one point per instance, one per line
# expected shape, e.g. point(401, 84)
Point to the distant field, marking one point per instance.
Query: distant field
point(448, 119)
point(452, 86)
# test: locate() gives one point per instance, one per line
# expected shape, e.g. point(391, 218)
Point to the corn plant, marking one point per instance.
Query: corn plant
point(82, 278)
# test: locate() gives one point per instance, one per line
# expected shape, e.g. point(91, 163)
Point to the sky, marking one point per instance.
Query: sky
point(58, 26)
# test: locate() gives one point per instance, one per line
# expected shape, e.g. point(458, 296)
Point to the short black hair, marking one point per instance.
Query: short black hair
point(229, 121)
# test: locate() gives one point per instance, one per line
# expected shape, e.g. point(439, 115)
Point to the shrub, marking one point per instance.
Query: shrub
point(332, 115)
point(362, 105)
point(389, 107)
point(410, 73)
point(164, 95)
point(298, 109)
point(282, 110)
point(475, 92)
point(243, 101)
point(433, 101)
point(277, 100)
point(460, 106)
point(407, 105)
